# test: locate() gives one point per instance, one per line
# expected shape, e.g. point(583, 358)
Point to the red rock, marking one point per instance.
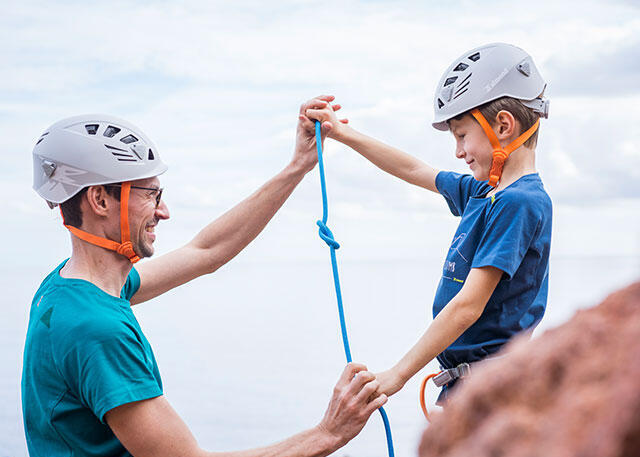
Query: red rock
point(573, 391)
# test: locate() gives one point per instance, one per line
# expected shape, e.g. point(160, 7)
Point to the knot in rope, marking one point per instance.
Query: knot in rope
point(327, 235)
point(328, 238)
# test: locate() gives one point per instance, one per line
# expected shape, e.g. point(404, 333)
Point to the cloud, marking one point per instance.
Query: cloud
point(613, 70)
point(217, 85)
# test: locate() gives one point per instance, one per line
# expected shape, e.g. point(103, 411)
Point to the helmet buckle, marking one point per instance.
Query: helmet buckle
point(447, 93)
point(524, 68)
point(49, 168)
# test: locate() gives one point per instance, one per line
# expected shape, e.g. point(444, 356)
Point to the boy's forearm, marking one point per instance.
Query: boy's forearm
point(447, 327)
point(389, 159)
point(456, 317)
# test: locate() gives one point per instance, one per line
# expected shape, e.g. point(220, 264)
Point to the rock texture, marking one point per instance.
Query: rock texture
point(573, 391)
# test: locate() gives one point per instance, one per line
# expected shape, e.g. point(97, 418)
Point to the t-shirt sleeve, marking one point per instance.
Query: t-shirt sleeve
point(457, 189)
point(131, 285)
point(109, 370)
point(511, 226)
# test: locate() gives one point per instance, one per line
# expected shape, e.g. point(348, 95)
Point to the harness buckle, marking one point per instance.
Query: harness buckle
point(446, 376)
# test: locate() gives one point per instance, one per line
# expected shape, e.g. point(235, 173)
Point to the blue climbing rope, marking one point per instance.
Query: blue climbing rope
point(328, 238)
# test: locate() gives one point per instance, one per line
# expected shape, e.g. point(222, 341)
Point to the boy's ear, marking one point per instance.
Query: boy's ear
point(98, 201)
point(505, 125)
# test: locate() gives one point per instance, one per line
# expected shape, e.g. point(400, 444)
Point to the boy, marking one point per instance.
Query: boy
point(495, 276)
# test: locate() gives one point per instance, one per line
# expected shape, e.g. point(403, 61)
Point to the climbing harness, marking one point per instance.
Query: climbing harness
point(328, 238)
point(440, 379)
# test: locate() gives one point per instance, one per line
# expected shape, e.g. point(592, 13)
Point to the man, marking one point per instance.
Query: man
point(90, 384)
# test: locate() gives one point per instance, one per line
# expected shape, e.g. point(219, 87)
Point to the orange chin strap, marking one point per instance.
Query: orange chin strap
point(501, 154)
point(124, 248)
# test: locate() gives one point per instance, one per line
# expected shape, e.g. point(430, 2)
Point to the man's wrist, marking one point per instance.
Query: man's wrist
point(327, 442)
point(296, 169)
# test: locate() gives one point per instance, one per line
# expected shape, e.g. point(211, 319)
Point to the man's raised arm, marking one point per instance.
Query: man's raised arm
point(225, 237)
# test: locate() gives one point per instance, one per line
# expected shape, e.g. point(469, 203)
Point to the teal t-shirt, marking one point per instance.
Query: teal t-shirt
point(84, 355)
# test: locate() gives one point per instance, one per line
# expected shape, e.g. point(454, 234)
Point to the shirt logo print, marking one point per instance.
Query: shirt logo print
point(457, 242)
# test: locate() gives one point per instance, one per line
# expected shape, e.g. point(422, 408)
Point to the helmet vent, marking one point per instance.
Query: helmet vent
point(111, 131)
point(461, 67)
point(464, 80)
point(114, 148)
point(463, 85)
point(129, 139)
point(460, 93)
point(450, 81)
point(92, 129)
point(42, 138)
point(123, 157)
point(440, 103)
point(475, 57)
point(151, 156)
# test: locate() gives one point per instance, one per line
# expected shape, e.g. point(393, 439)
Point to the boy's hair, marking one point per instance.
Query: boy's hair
point(525, 116)
point(71, 211)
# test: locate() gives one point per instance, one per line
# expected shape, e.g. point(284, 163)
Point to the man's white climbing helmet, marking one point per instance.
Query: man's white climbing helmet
point(485, 74)
point(89, 150)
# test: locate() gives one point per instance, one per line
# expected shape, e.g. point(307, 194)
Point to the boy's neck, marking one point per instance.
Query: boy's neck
point(520, 162)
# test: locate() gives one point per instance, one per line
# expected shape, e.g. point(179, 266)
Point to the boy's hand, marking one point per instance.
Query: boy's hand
point(355, 398)
point(390, 382)
point(327, 116)
point(305, 155)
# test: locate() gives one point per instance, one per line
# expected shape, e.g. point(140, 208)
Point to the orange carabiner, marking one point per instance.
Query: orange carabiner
point(423, 402)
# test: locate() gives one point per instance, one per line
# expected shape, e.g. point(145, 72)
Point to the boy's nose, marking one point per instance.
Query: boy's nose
point(460, 152)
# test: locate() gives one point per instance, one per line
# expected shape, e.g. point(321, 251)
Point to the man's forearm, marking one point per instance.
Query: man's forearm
point(311, 443)
point(225, 237)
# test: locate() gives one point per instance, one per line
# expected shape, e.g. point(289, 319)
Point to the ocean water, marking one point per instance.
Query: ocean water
point(250, 354)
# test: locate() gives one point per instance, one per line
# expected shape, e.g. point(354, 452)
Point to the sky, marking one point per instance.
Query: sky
point(217, 85)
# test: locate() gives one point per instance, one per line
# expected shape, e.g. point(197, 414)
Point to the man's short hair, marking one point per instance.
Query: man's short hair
point(71, 211)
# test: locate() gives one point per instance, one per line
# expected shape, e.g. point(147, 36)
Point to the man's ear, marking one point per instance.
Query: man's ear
point(505, 125)
point(99, 202)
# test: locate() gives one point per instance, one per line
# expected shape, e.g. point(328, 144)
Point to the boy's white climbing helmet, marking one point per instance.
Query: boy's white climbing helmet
point(89, 150)
point(485, 74)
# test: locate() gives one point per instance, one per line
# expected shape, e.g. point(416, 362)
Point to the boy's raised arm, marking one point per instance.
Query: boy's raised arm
point(387, 158)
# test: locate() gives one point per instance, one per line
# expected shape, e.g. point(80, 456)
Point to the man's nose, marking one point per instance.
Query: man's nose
point(162, 211)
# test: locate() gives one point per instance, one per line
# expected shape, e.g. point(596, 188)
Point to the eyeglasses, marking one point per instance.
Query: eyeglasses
point(157, 191)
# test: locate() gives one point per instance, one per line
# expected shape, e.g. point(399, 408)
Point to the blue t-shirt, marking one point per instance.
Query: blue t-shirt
point(84, 355)
point(511, 231)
